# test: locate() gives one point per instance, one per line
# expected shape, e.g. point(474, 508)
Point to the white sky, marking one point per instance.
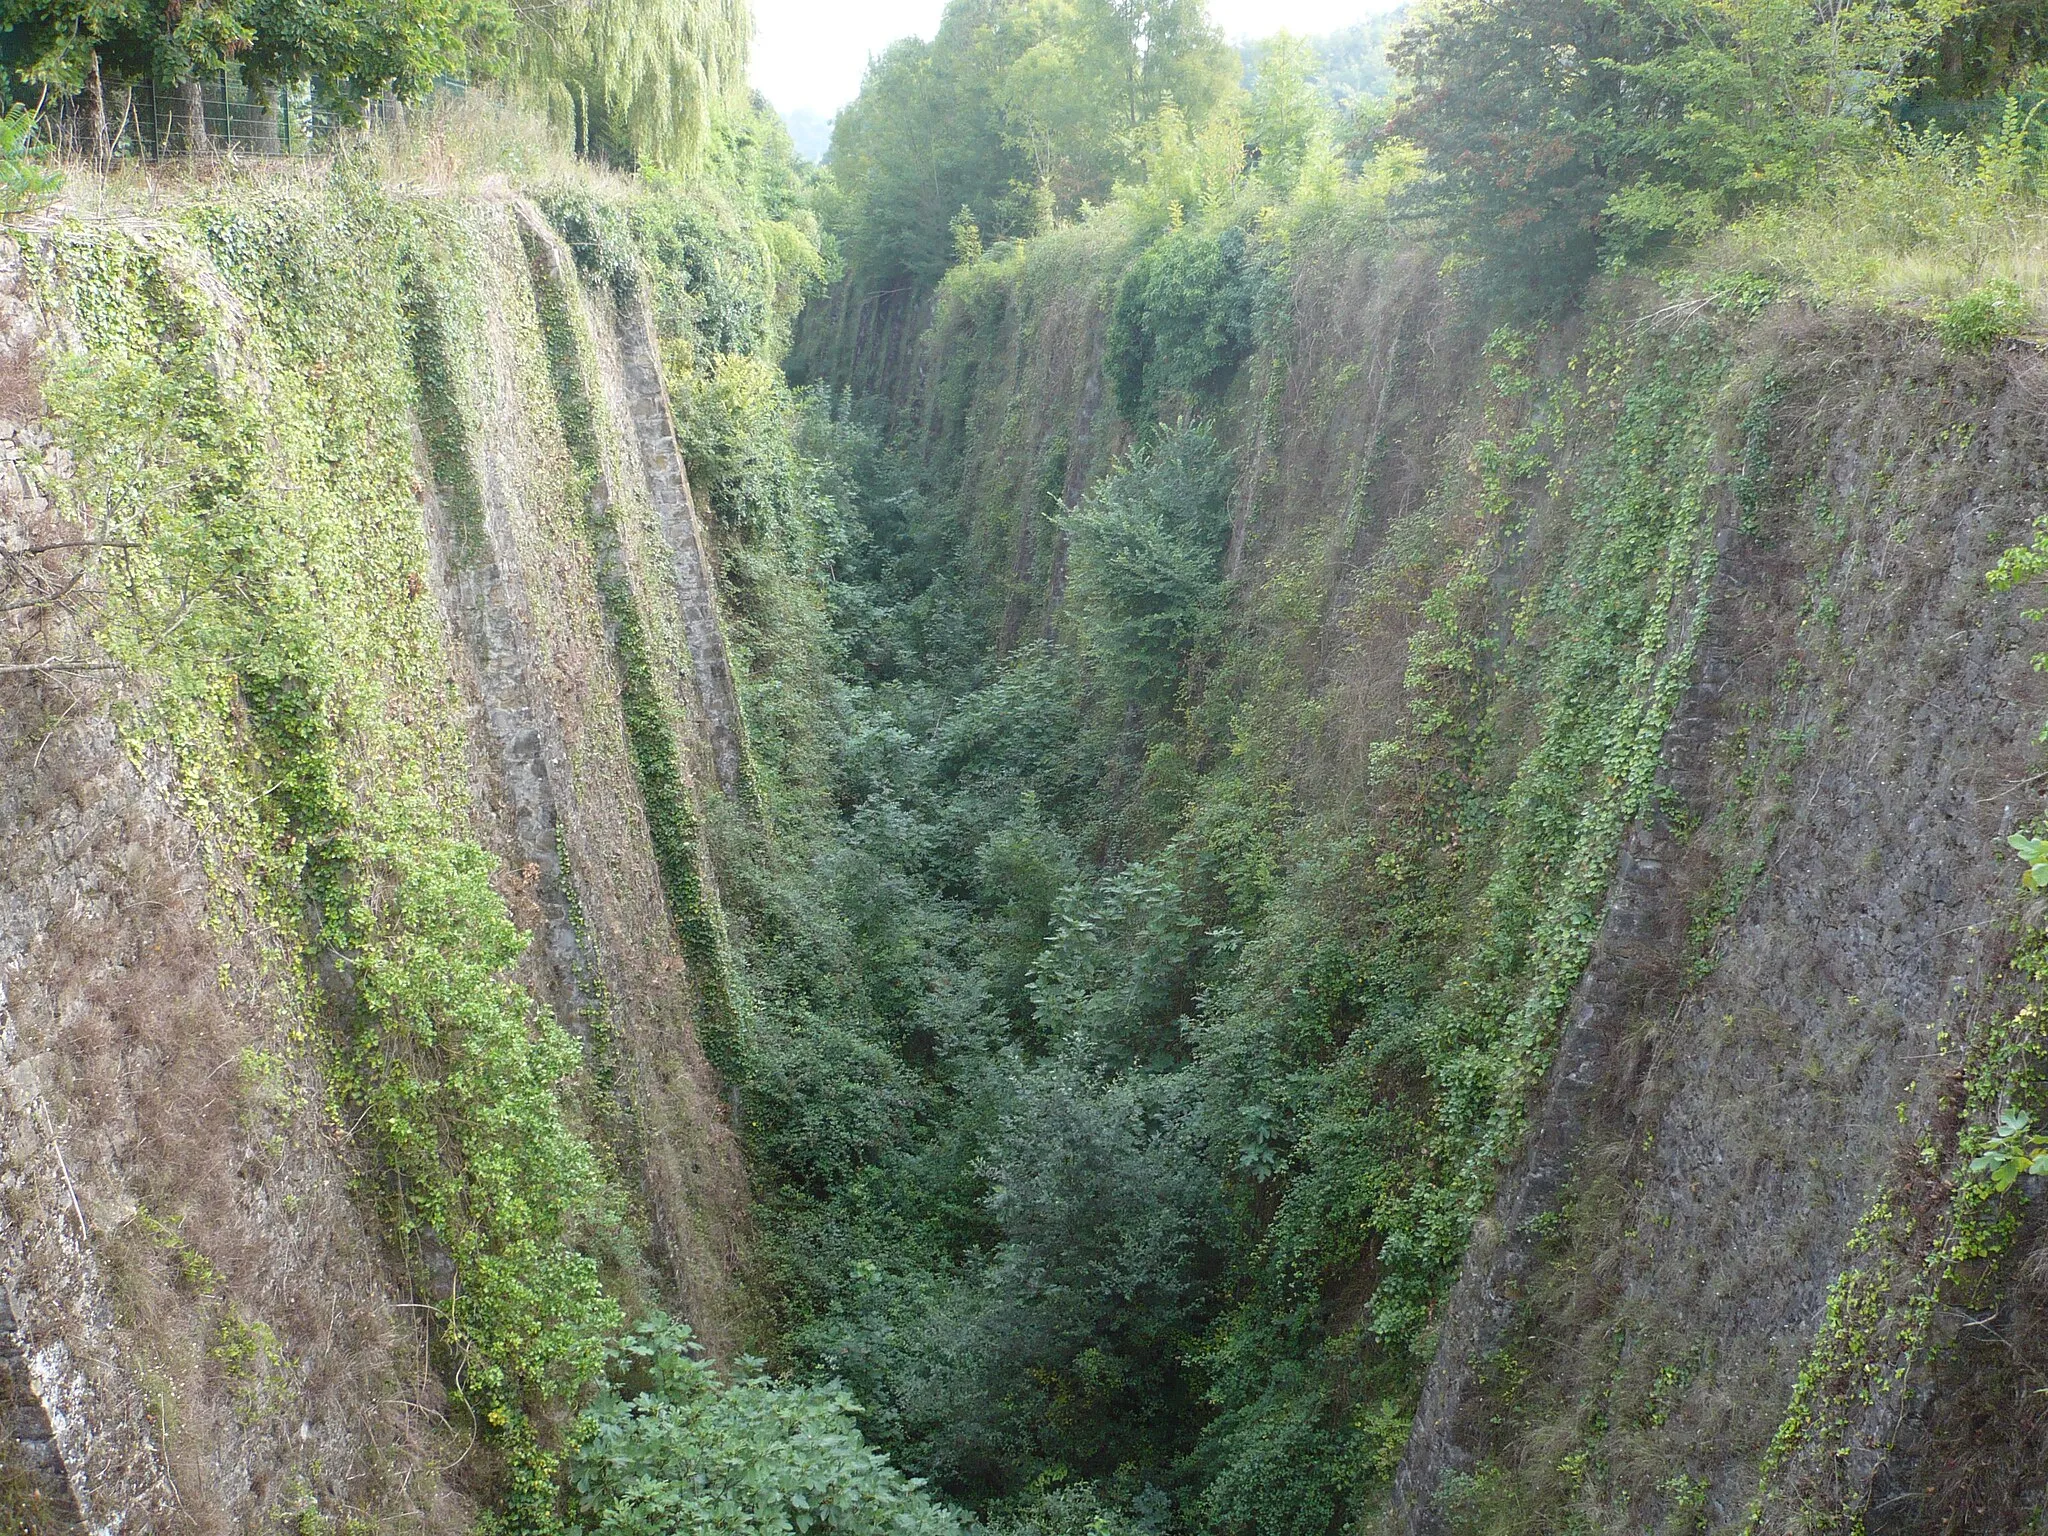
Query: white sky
point(809, 54)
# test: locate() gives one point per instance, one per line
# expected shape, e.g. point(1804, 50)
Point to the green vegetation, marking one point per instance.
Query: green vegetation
point(1136, 1152)
point(1018, 113)
point(1350, 67)
point(74, 47)
point(1122, 1109)
point(2035, 851)
point(1983, 316)
point(1923, 221)
point(1669, 121)
point(1183, 317)
point(639, 82)
point(649, 83)
point(25, 182)
point(1145, 551)
point(1123, 1051)
point(2016, 1149)
point(670, 1446)
point(1672, 117)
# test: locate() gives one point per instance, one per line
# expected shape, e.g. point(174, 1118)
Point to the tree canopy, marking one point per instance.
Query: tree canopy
point(639, 81)
point(1564, 132)
point(1017, 111)
point(357, 47)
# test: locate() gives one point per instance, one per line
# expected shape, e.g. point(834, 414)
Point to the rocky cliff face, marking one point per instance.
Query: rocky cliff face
point(1726, 1263)
point(454, 475)
point(1803, 966)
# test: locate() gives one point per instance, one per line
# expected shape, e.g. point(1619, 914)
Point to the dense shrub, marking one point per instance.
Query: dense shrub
point(670, 1447)
point(1144, 562)
point(1183, 316)
point(1983, 316)
point(1561, 133)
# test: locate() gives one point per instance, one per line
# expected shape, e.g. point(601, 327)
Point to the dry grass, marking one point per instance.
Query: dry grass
point(477, 138)
point(1915, 229)
point(464, 142)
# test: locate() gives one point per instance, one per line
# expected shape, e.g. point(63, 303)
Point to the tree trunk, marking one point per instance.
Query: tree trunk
point(188, 118)
point(93, 116)
point(262, 123)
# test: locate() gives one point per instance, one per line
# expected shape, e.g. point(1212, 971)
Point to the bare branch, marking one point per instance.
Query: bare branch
point(44, 549)
point(48, 599)
point(57, 664)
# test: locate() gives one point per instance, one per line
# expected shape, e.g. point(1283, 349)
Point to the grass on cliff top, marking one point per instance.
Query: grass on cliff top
point(1919, 227)
point(466, 142)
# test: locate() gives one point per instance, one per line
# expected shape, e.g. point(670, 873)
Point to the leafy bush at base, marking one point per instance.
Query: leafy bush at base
point(669, 1448)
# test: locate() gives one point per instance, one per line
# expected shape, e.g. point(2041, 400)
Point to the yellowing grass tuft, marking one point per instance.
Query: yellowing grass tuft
point(1929, 221)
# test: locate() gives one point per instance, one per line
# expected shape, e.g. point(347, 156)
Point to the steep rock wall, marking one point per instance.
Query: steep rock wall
point(1833, 933)
point(1767, 993)
point(1787, 1003)
point(221, 1312)
point(209, 1328)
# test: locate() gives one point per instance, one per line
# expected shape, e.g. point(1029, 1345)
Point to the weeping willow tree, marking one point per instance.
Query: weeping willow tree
point(638, 81)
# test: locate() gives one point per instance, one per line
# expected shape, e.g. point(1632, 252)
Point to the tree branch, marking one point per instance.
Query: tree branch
point(57, 664)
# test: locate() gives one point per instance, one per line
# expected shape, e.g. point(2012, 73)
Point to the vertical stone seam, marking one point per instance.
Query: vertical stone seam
point(675, 509)
point(1480, 1308)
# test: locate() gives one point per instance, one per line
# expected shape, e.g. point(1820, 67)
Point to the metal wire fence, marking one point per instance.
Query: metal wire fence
point(215, 114)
